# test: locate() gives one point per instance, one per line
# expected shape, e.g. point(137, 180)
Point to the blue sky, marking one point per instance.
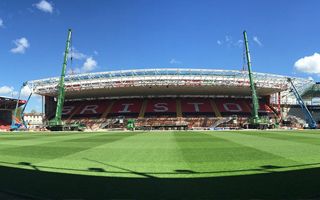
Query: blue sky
point(130, 34)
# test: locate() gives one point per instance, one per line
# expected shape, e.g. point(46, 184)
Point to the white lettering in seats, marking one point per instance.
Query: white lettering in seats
point(232, 107)
point(90, 108)
point(160, 107)
point(126, 108)
point(66, 110)
point(196, 106)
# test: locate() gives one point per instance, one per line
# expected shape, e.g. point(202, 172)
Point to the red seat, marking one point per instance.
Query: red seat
point(263, 107)
point(80, 109)
point(161, 107)
point(126, 107)
point(93, 107)
point(196, 106)
point(229, 106)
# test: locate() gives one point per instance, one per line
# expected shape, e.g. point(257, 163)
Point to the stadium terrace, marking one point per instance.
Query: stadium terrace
point(193, 98)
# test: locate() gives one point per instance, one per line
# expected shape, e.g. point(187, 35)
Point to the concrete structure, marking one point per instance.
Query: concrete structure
point(34, 120)
point(151, 94)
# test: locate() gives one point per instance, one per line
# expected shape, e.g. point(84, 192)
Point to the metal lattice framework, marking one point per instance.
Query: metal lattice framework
point(164, 77)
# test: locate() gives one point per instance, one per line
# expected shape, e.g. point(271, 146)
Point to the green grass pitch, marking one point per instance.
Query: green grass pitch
point(165, 156)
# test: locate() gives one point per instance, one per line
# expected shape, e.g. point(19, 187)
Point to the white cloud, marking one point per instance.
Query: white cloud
point(1, 23)
point(74, 71)
point(257, 40)
point(6, 90)
point(229, 42)
point(228, 38)
point(174, 61)
point(21, 45)
point(11, 92)
point(25, 91)
point(239, 43)
point(309, 64)
point(75, 54)
point(89, 65)
point(44, 6)
point(34, 102)
point(310, 78)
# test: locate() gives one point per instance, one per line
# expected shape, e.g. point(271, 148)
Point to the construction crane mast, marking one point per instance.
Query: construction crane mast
point(61, 90)
point(312, 124)
point(57, 121)
point(255, 121)
point(57, 124)
point(255, 103)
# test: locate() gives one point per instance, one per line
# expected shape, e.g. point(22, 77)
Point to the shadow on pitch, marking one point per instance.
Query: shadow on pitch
point(298, 184)
point(114, 170)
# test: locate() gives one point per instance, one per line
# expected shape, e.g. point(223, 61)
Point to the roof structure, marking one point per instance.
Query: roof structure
point(312, 92)
point(10, 103)
point(157, 82)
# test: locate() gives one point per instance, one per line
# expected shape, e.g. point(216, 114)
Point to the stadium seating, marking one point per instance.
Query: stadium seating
point(197, 112)
point(161, 108)
point(191, 107)
point(89, 109)
point(126, 107)
point(315, 111)
point(239, 107)
point(4, 125)
point(296, 111)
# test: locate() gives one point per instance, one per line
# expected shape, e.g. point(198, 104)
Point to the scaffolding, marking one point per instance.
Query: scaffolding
point(166, 78)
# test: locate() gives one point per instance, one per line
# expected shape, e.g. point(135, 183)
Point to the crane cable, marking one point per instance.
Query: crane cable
point(244, 59)
point(71, 57)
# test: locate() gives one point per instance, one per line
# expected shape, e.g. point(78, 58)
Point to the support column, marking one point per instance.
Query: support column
point(75, 111)
point(279, 105)
point(215, 108)
point(179, 111)
point(106, 112)
point(143, 108)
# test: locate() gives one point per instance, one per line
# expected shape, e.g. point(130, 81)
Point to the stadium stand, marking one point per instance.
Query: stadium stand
point(7, 105)
point(295, 110)
point(126, 107)
point(161, 107)
point(157, 112)
point(315, 111)
point(169, 97)
point(196, 106)
point(4, 125)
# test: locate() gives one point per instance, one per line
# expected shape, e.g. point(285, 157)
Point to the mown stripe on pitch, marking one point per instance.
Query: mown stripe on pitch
point(52, 150)
point(212, 144)
point(144, 148)
point(145, 154)
point(294, 137)
point(28, 143)
point(300, 133)
point(223, 154)
point(299, 152)
point(24, 151)
point(27, 140)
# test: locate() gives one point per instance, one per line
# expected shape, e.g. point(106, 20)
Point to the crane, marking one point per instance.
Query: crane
point(254, 121)
point(56, 124)
point(310, 121)
point(15, 124)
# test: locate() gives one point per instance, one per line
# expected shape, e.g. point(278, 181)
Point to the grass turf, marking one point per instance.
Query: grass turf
point(163, 155)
